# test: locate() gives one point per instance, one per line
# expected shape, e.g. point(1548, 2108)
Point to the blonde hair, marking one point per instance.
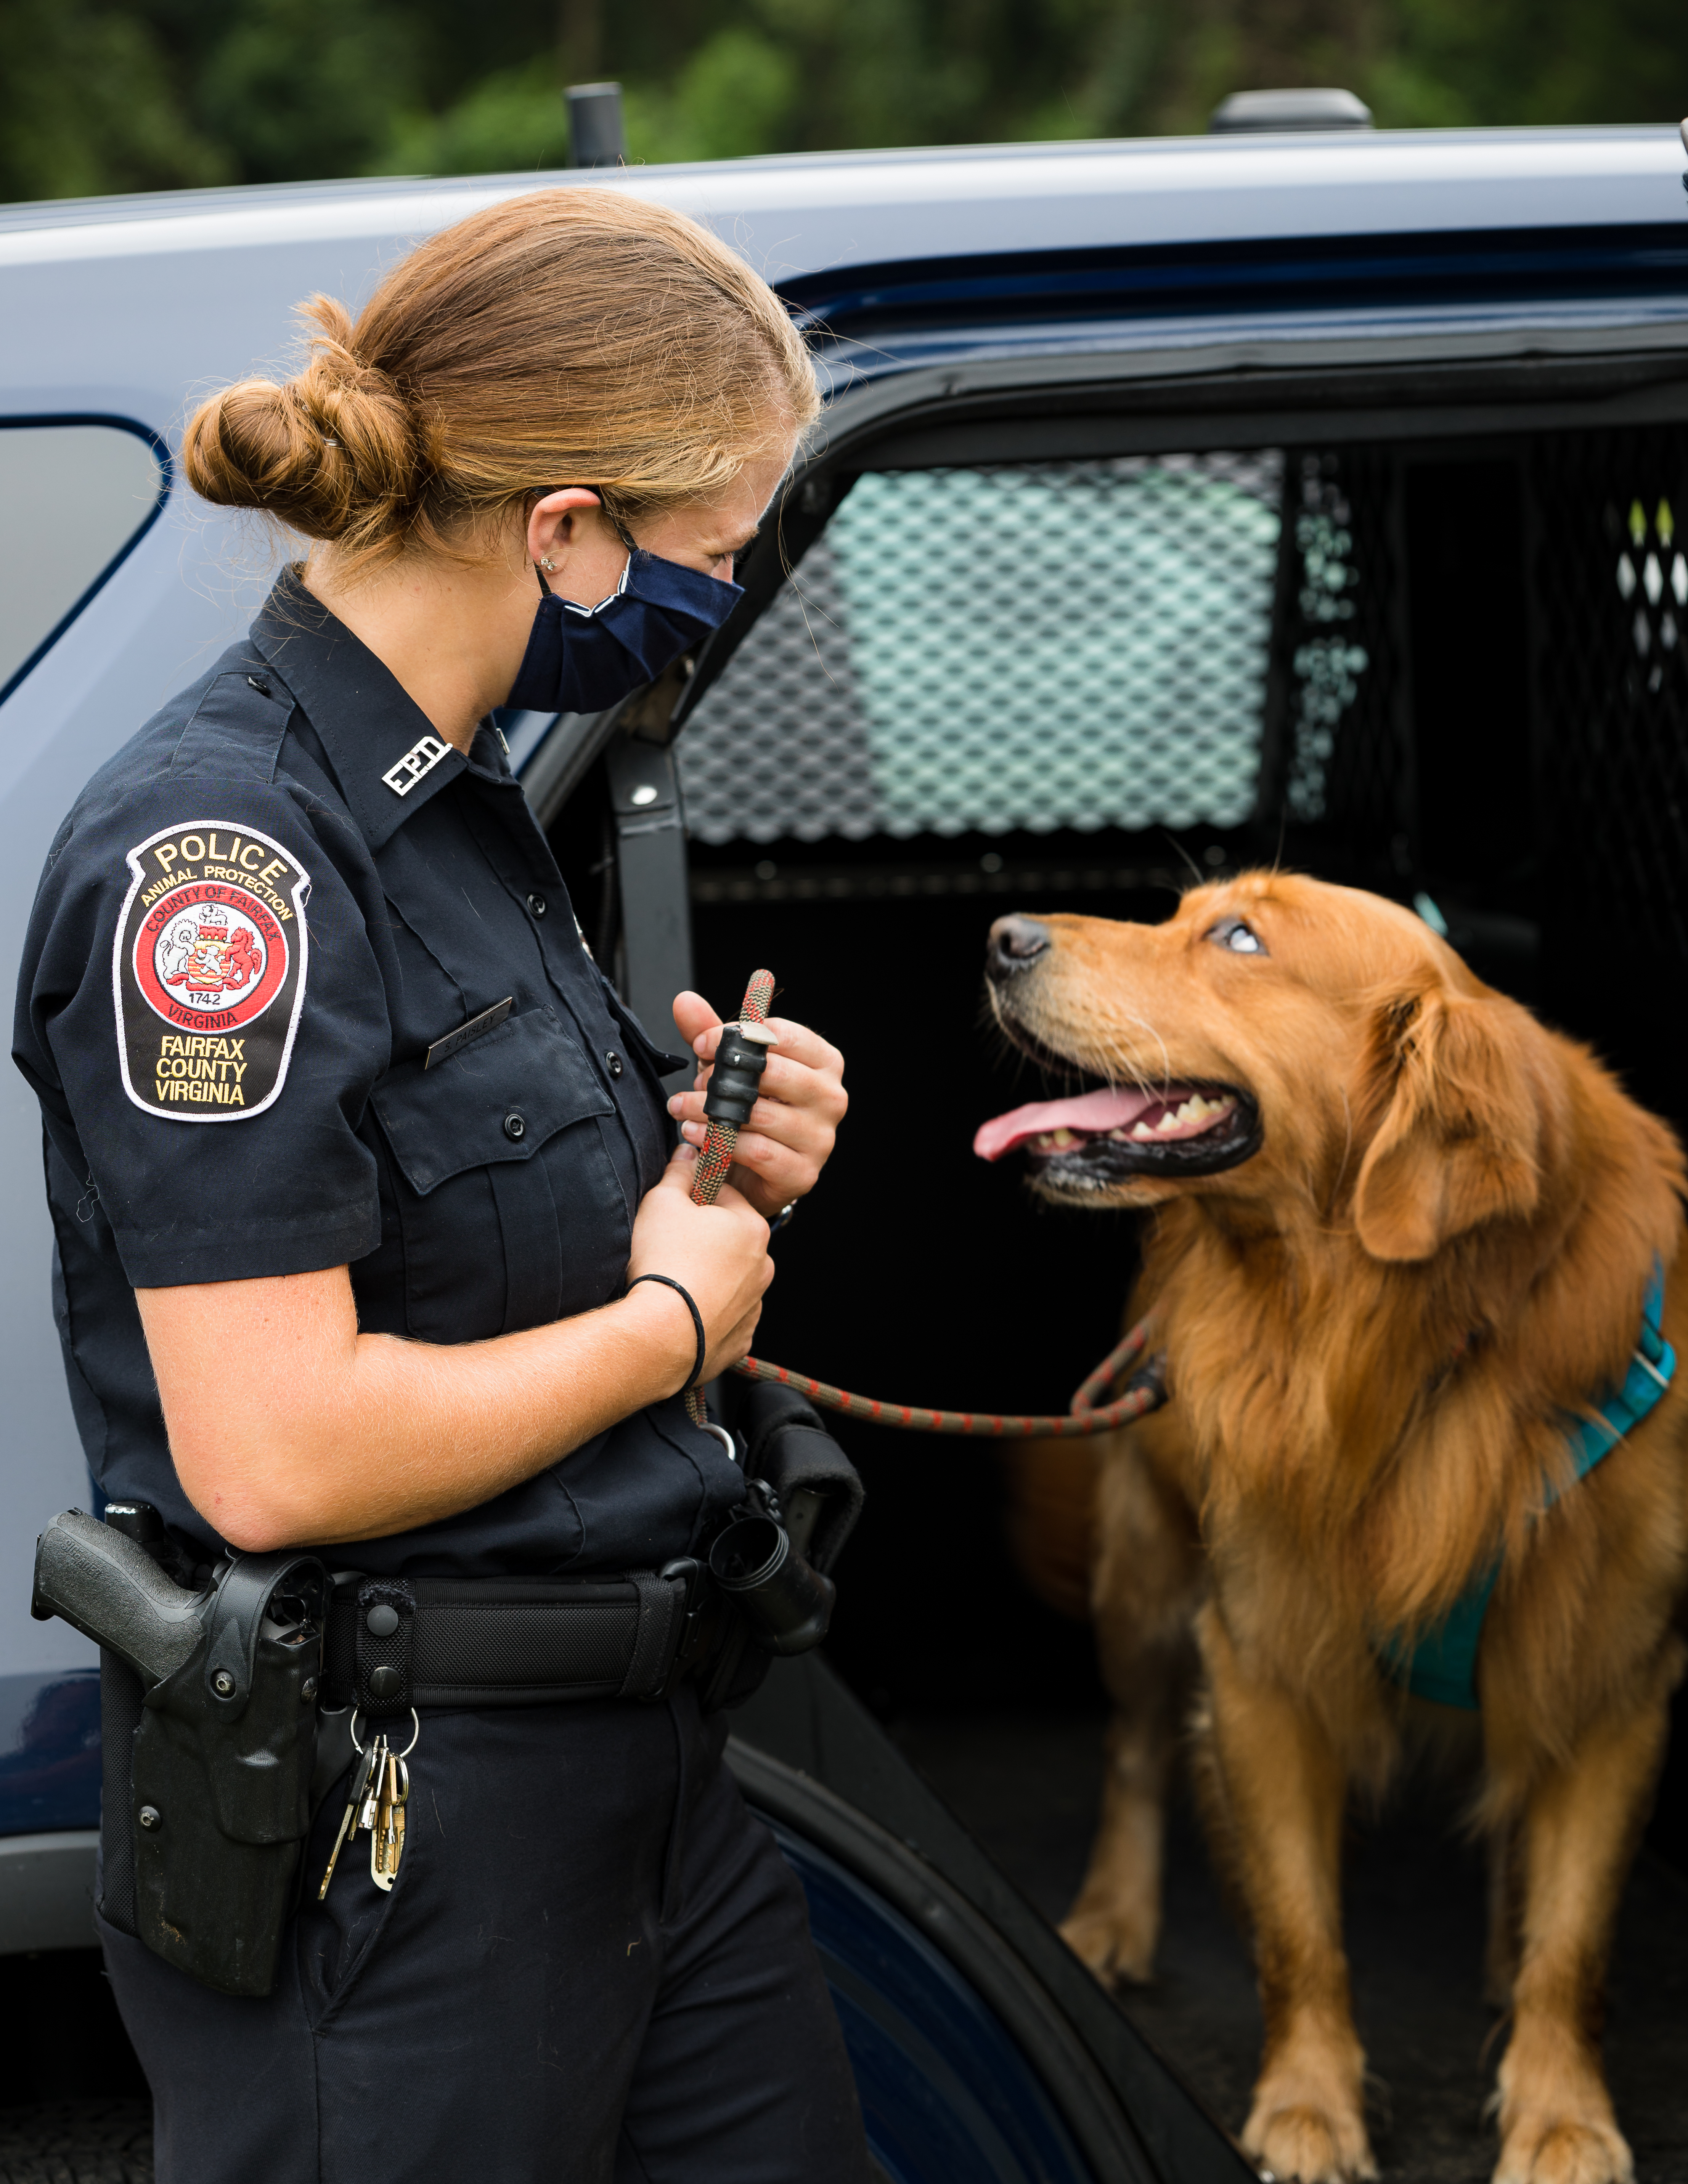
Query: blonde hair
point(570, 336)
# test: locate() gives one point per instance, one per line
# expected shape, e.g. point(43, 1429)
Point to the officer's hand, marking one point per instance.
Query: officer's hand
point(719, 1253)
point(793, 1126)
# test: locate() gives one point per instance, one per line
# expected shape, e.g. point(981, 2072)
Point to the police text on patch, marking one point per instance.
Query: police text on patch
point(209, 971)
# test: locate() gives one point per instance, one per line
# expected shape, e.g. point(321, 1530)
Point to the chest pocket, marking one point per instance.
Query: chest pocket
point(508, 1203)
point(653, 1136)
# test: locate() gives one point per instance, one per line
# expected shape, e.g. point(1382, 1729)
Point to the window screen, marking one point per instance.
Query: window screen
point(73, 496)
point(1031, 646)
point(1612, 578)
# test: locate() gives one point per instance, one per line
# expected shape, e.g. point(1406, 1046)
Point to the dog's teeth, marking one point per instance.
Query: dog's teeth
point(1167, 1122)
point(1142, 1130)
point(1062, 1139)
point(1120, 1137)
point(1043, 1142)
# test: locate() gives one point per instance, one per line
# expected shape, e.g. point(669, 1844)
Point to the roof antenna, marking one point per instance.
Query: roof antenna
point(597, 135)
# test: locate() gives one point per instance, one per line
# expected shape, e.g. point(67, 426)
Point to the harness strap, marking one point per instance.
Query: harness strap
point(1442, 1665)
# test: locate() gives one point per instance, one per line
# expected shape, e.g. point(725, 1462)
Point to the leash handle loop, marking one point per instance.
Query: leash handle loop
point(743, 1062)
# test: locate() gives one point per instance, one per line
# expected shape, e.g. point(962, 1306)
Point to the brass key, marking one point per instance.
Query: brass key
point(402, 1801)
point(388, 1845)
point(361, 1775)
point(383, 1818)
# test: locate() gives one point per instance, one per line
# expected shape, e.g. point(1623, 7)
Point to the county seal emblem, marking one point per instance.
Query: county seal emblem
point(209, 971)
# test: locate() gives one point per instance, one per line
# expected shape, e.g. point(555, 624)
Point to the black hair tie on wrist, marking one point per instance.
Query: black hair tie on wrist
point(668, 1282)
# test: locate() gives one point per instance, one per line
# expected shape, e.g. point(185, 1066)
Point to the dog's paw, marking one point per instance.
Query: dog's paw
point(1115, 1946)
point(1541, 2149)
point(1306, 2141)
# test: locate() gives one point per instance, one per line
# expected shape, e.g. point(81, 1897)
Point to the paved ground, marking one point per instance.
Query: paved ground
point(1027, 1785)
point(78, 2143)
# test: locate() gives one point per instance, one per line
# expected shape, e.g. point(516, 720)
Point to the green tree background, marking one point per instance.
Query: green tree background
point(164, 94)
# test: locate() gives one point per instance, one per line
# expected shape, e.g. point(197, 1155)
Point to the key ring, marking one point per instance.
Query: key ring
point(416, 1731)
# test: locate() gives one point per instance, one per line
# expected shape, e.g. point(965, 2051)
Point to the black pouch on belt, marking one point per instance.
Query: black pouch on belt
point(801, 1483)
point(819, 1488)
point(219, 1783)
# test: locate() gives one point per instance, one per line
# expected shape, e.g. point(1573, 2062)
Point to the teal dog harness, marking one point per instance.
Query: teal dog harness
point(1443, 1665)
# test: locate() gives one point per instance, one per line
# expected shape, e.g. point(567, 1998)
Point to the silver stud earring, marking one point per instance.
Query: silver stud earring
point(546, 562)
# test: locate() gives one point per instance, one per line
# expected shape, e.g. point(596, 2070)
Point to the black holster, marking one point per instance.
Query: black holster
point(211, 1726)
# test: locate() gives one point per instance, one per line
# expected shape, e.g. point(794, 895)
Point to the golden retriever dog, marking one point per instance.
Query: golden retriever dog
point(1401, 1242)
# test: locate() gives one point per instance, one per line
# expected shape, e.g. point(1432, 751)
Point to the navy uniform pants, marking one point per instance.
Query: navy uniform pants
point(595, 1965)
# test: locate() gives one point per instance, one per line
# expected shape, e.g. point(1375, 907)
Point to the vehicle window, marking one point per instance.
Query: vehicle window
point(73, 498)
point(1030, 646)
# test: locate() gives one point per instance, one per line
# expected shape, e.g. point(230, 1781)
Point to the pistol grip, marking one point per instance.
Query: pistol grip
point(112, 1590)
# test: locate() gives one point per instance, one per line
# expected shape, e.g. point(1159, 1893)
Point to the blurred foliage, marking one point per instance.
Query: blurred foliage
point(97, 96)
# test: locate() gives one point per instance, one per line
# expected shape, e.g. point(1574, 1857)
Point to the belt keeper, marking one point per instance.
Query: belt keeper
point(385, 1625)
point(658, 1633)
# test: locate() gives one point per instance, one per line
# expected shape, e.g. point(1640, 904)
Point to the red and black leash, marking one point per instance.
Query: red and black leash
point(740, 1059)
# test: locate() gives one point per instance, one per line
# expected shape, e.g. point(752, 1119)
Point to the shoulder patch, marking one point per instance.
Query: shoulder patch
point(209, 971)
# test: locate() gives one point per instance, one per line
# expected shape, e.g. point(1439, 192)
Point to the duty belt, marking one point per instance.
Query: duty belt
point(393, 1643)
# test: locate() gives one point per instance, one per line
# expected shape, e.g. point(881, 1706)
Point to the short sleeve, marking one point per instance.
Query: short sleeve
point(203, 1013)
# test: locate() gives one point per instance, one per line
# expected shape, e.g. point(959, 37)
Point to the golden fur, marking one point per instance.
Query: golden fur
point(1373, 1326)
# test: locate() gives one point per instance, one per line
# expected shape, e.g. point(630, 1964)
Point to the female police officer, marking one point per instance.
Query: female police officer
point(353, 1156)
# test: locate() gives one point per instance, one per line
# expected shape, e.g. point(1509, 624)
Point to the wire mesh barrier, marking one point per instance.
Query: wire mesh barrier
point(1342, 769)
point(1023, 647)
point(1611, 583)
point(1219, 640)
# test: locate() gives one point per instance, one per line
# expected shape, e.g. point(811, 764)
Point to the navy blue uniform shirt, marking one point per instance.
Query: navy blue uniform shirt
point(302, 988)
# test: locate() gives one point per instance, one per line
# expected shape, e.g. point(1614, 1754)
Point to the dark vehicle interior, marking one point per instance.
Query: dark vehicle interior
point(1421, 631)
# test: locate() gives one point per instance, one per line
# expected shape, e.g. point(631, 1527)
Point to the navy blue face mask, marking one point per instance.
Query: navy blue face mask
point(579, 660)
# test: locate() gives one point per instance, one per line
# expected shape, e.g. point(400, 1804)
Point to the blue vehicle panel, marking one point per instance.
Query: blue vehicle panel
point(945, 2090)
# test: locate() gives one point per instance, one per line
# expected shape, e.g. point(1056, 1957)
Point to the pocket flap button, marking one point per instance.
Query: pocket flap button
point(381, 1621)
point(536, 904)
point(614, 1063)
point(515, 1128)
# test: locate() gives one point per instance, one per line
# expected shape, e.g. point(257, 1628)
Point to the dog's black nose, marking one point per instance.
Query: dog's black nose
point(1015, 944)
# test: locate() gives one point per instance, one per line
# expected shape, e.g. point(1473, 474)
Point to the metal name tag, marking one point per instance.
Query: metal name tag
point(422, 757)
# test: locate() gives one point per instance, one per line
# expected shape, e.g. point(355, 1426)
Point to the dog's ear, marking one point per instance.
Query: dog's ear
point(1460, 1086)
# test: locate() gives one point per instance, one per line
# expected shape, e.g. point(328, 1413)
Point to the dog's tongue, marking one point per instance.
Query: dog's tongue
point(1116, 1109)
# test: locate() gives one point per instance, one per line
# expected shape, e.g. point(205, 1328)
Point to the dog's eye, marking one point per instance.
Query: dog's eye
point(1241, 939)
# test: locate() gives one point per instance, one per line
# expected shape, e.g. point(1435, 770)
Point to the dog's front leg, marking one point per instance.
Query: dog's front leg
point(1575, 1843)
point(1146, 1580)
point(1277, 1791)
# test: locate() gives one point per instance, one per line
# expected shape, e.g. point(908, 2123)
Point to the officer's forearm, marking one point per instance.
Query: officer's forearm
point(349, 1436)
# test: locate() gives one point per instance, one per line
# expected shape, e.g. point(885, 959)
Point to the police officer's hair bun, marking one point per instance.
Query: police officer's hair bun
point(567, 336)
point(331, 451)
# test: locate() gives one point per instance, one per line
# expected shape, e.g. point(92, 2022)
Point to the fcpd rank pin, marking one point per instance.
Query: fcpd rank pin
point(209, 971)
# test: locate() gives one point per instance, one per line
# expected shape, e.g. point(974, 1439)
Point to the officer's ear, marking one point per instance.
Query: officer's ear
point(555, 531)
